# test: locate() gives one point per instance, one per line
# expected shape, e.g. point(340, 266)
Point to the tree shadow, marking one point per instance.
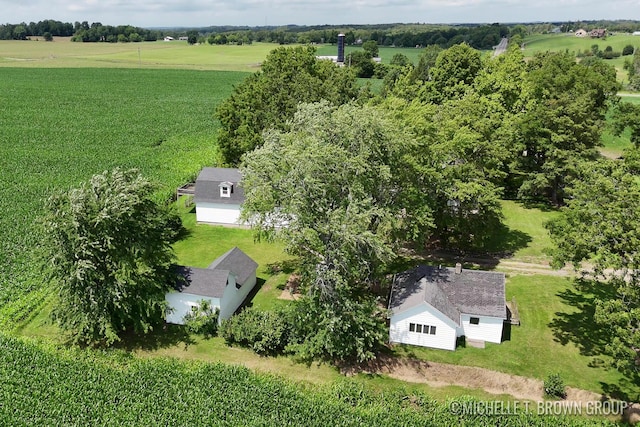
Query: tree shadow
point(579, 327)
point(286, 266)
point(163, 336)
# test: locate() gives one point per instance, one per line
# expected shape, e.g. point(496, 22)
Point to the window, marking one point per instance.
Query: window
point(422, 329)
point(474, 320)
point(226, 189)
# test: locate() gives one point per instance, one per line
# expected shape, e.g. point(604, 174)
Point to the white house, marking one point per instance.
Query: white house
point(218, 196)
point(581, 33)
point(433, 306)
point(225, 284)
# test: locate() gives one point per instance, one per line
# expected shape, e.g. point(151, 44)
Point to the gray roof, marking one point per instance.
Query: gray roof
point(208, 186)
point(236, 261)
point(202, 281)
point(212, 281)
point(472, 292)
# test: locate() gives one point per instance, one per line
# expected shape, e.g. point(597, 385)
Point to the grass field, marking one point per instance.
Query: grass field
point(62, 53)
point(573, 44)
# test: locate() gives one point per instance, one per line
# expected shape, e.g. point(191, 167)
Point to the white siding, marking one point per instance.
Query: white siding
point(424, 314)
point(488, 329)
point(232, 298)
point(180, 304)
point(217, 213)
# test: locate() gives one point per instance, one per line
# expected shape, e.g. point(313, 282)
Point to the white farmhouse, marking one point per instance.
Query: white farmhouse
point(218, 196)
point(433, 306)
point(225, 284)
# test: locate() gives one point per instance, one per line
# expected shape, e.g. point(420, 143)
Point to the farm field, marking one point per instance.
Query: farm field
point(573, 44)
point(61, 126)
point(62, 53)
point(88, 113)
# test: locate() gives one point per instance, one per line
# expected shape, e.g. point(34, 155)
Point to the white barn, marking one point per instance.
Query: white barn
point(433, 306)
point(225, 284)
point(218, 196)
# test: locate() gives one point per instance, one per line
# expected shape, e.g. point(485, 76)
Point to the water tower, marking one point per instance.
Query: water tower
point(341, 48)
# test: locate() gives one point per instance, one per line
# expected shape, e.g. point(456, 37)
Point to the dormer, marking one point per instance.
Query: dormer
point(226, 189)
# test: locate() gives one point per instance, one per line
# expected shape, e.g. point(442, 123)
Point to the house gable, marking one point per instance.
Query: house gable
point(472, 302)
point(425, 326)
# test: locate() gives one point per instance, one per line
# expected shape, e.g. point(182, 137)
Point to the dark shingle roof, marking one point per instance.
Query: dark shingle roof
point(202, 281)
point(237, 262)
point(208, 186)
point(470, 291)
point(212, 281)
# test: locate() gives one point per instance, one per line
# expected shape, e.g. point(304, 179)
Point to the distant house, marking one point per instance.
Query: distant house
point(636, 33)
point(225, 284)
point(598, 33)
point(581, 33)
point(218, 196)
point(183, 38)
point(433, 306)
point(168, 39)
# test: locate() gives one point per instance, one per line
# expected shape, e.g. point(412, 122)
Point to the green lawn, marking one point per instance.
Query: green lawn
point(206, 242)
point(526, 228)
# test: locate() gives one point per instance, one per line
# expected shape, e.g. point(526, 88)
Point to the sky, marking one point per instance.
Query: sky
point(200, 13)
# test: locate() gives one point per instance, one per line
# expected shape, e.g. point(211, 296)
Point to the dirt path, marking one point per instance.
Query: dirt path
point(443, 374)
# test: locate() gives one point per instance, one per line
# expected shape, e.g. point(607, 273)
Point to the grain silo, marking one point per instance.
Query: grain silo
point(341, 48)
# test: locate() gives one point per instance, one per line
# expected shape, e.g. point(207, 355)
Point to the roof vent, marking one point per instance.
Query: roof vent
point(458, 268)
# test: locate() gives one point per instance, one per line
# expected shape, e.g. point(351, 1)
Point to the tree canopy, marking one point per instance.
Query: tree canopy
point(268, 98)
point(108, 253)
point(334, 180)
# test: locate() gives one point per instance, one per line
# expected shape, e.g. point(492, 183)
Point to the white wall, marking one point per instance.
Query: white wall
point(232, 297)
point(217, 212)
point(445, 337)
point(488, 329)
point(181, 303)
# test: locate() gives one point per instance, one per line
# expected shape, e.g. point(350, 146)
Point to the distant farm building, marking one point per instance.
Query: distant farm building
point(598, 33)
point(168, 39)
point(581, 33)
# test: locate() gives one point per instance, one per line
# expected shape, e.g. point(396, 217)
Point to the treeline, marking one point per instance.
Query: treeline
point(23, 30)
point(96, 32)
point(479, 37)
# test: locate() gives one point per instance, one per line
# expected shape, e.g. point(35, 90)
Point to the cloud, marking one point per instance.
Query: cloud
point(150, 13)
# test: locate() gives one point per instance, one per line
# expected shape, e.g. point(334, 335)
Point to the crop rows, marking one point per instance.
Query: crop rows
point(52, 386)
point(58, 127)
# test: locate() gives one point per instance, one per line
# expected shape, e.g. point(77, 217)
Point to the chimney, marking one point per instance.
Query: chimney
point(341, 48)
point(458, 268)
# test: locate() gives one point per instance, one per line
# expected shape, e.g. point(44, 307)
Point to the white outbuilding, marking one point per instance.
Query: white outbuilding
point(218, 196)
point(226, 283)
point(433, 306)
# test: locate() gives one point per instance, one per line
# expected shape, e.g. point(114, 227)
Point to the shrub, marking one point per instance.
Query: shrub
point(554, 386)
point(202, 319)
point(627, 50)
point(265, 332)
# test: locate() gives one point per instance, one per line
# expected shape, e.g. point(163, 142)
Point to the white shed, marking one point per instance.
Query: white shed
point(433, 306)
point(218, 196)
point(226, 283)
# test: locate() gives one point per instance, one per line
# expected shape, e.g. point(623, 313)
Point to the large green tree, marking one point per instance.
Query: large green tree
point(108, 252)
point(563, 121)
point(600, 227)
point(269, 97)
point(335, 181)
